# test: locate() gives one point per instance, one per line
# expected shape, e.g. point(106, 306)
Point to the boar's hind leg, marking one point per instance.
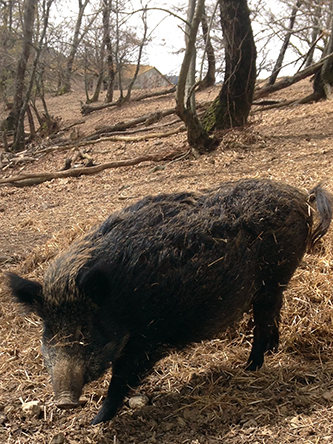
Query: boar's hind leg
point(127, 372)
point(266, 314)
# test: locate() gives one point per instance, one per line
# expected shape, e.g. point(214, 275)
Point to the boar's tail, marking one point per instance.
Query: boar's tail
point(324, 203)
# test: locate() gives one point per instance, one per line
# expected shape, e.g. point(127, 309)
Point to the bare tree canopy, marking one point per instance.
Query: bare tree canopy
point(98, 42)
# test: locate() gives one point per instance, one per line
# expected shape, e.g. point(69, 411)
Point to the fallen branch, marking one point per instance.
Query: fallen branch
point(87, 109)
point(122, 126)
point(313, 97)
point(155, 94)
point(78, 122)
point(288, 81)
point(267, 102)
point(276, 105)
point(147, 129)
point(114, 138)
point(38, 178)
point(138, 138)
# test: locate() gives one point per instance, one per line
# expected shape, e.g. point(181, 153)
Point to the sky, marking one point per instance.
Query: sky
point(164, 51)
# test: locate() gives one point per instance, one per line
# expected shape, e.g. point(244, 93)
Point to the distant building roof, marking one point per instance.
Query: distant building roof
point(148, 77)
point(128, 71)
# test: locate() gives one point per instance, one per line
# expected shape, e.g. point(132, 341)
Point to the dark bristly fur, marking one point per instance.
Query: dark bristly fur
point(170, 270)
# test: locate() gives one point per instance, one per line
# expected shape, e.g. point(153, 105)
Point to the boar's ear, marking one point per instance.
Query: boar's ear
point(94, 283)
point(25, 292)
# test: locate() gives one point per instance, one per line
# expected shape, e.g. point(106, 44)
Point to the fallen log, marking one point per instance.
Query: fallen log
point(38, 178)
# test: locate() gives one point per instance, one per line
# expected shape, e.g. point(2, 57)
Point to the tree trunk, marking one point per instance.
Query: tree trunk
point(108, 45)
point(324, 78)
point(14, 116)
point(209, 79)
point(315, 34)
point(19, 130)
point(190, 78)
point(143, 41)
point(196, 135)
point(106, 48)
point(278, 64)
point(118, 60)
point(100, 78)
point(231, 108)
point(66, 86)
point(326, 73)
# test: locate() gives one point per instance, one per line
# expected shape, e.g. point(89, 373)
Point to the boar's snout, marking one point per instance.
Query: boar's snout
point(67, 381)
point(67, 401)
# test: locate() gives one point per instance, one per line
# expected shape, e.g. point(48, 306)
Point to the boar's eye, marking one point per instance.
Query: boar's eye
point(82, 335)
point(47, 332)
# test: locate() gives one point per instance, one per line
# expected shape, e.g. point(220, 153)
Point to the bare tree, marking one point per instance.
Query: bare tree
point(74, 45)
point(316, 32)
point(14, 116)
point(109, 50)
point(9, 45)
point(196, 135)
point(279, 61)
point(106, 70)
point(24, 101)
point(141, 46)
point(100, 77)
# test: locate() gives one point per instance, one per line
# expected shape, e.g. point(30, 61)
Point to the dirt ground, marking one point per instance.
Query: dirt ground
point(202, 395)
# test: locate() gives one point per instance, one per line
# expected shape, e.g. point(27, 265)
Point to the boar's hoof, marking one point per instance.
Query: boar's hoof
point(105, 414)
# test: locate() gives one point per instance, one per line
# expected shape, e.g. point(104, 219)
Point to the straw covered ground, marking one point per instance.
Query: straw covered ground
point(202, 395)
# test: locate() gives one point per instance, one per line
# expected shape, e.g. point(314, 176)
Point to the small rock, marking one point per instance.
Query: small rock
point(5, 259)
point(7, 409)
point(167, 426)
point(181, 421)
point(138, 401)
point(250, 423)
point(58, 439)
point(295, 422)
point(328, 396)
point(3, 418)
point(31, 408)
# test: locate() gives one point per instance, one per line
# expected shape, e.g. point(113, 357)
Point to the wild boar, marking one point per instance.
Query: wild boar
point(168, 271)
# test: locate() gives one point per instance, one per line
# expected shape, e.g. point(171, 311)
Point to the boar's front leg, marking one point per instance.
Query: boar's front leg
point(127, 372)
point(266, 314)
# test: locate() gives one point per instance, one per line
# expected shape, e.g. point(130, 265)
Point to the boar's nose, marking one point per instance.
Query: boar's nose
point(67, 401)
point(67, 380)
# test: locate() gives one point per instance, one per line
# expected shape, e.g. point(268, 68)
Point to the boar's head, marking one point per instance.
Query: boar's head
point(79, 340)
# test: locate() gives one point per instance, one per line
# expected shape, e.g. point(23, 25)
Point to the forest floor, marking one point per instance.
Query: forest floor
point(201, 395)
